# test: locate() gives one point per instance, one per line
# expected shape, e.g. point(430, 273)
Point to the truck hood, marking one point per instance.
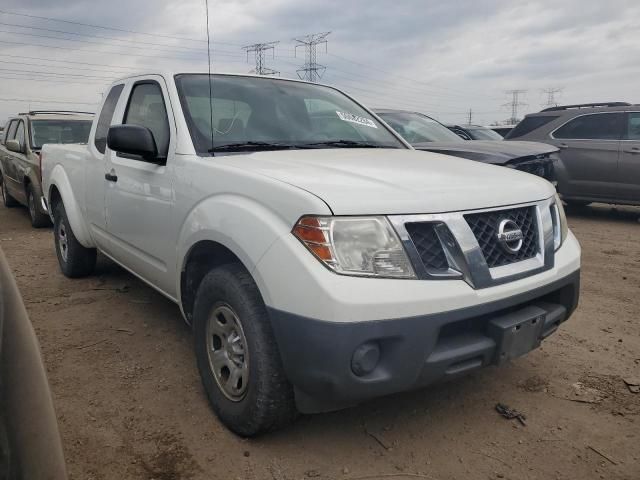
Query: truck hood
point(390, 181)
point(488, 151)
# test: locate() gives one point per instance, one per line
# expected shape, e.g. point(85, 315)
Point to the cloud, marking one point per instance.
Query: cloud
point(440, 57)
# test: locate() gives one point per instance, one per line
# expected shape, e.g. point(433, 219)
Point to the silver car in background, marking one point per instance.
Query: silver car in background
point(427, 134)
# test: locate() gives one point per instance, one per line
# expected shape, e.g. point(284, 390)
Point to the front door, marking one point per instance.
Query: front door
point(629, 172)
point(140, 195)
point(589, 150)
point(96, 168)
point(15, 164)
point(8, 166)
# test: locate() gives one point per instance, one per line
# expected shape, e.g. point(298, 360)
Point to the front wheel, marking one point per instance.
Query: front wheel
point(75, 260)
point(237, 355)
point(38, 220)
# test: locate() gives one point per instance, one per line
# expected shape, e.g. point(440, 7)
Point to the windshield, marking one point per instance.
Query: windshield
point(417, 128)
point(59, 131)
point(252, 113)
point(484, 134)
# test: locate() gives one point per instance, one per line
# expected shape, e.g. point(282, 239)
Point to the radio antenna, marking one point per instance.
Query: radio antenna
point(206, 2)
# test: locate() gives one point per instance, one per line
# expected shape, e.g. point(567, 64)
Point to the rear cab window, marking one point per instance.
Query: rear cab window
point(59, 131)
point(106, 116)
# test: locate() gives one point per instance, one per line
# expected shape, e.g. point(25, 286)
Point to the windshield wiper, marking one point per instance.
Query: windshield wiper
point(252, 146)
point(341, 144)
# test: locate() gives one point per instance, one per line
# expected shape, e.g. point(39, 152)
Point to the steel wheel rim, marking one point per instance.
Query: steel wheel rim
point(227, 352)
point(63, 242)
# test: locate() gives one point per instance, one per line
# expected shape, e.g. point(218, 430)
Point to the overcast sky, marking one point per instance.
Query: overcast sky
point(441, 58)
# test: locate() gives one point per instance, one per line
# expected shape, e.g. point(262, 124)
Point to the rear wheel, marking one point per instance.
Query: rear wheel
point(7, 199)
point(75, 260)
point(38, 220)
point(237, 355)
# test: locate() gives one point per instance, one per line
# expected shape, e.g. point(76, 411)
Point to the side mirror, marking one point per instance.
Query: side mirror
point(133, 140)
point(14, 145)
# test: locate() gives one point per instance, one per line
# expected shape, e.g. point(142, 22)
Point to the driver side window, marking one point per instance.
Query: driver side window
point(20, 133)
point(147, 109)
point(10, 131)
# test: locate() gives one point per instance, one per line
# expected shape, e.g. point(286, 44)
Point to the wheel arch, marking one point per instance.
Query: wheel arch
point(60, 191)
point(200, 259)
point(223, 228)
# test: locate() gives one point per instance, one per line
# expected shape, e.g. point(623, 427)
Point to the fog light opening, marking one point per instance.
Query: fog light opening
point(365, 358)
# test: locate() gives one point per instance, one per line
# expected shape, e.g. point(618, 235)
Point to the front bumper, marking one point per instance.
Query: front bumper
point(414, 351)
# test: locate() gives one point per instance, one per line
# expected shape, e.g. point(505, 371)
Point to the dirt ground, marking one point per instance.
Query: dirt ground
point(130, 404)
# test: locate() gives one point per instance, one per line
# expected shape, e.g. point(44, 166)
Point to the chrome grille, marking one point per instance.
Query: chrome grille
point(424, 237)
point(485, 228)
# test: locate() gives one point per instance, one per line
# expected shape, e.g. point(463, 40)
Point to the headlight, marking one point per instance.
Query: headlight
point(560, 226)
point(363, 246)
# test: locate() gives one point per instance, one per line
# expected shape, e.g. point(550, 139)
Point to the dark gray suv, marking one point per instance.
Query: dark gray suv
point(599, 150)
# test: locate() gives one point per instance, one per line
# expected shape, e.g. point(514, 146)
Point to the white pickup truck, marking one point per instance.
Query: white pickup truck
point(320, 260)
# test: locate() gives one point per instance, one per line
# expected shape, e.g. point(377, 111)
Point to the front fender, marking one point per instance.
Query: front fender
point(243, 225)
point(59, 179)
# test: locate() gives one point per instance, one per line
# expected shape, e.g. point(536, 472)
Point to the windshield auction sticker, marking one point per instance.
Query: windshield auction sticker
point(350, 117)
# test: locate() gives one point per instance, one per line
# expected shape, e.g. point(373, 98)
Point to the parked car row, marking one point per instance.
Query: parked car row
point(320, 260)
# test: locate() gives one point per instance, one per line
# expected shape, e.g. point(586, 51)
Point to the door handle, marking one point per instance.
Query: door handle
point(634, 150)
point(111, 177)
point(563, 145)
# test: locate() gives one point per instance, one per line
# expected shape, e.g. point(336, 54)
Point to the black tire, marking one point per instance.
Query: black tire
point(268, 401)
point(74, 259)
point(38, 220)
point(7, 199)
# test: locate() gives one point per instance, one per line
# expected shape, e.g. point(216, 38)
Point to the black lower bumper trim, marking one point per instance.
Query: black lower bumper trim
point(414, 351)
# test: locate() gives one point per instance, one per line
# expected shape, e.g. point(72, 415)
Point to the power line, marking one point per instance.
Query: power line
point(220, 52)
point(28, 100)
point(40, 72)
point(66, 61)
point(82, 69)
point(376, 93)
point(515, 104)
point(104, 27)
point(43, 76)
point(60, 39)
point(49, 80)
point(311, 70)
point(259, 50)
point(101, 51)
point(460, 93)
point(66, 32)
